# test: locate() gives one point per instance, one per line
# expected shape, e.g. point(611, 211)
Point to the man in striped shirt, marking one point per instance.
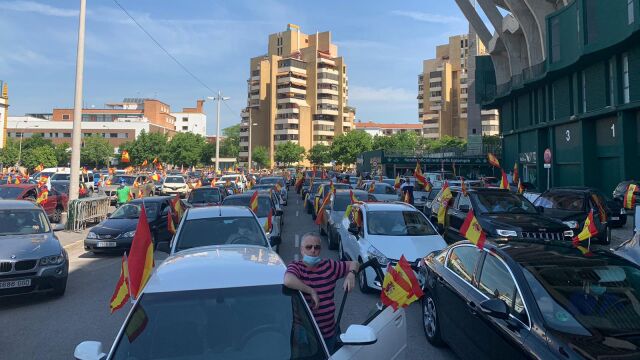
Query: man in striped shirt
point(316, 278)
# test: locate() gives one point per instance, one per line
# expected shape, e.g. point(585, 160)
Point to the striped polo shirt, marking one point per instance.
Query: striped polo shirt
point(322, 279)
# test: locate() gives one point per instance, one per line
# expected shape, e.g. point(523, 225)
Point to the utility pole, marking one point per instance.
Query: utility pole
point(76, 140)
point(250, 126)
point(218, 98)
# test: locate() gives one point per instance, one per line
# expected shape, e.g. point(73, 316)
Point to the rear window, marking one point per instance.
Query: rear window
point(204, 196)
point(398, 223)
point(341, 202)
point(174, 180)
point(569, 202)
point(264, 204)
point(228, 230)
point(127, 179)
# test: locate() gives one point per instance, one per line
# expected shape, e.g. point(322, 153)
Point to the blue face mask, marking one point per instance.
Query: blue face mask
point(311, 260)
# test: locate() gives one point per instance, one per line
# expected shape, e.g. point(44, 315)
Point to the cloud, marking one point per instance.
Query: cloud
point(426, 17)
point(36, 7)
point(386, 95)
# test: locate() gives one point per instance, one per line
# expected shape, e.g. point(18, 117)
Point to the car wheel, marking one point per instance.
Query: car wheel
point(333, 245)
point(362, 281)
point(60, 289)
point(430, 320)
point(57, 215)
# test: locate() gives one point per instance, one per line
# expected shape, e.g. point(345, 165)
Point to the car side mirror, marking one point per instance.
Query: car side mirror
point(353, 229)
point(275, 240)
point(495, 308)
point(163, 247)
point(540, 209)
point(89, 350)
point(464, 208)
point(108, 215)
point(359, 335)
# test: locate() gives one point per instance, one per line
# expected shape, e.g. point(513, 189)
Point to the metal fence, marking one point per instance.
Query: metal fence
point(85, 211)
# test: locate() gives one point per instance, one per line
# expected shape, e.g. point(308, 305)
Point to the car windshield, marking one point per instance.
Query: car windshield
point(10, 192)
point(502, 202)
point(23, 222)
point(221, 231)
point(204, 196)
point(174, 180)
point(398, 223)
point(587, 297)
point(561, 201)
point(433, 194)
point(127, 180)
point(272, 180)
point(341, 202)
point(61, 187)
point(60, 176)
point(257, 322)
point(132, 211)
point(264, 204)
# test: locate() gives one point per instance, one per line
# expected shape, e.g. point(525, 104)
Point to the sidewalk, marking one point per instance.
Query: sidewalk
point(67, 238)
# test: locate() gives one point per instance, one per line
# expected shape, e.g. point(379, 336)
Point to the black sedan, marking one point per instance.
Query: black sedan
point(502, 215)
point(532, 299)
point(116, 232)
point(206, 196)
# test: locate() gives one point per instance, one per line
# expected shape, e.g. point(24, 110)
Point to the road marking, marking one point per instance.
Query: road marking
point(297, 241)
point(297, 202)
point(73, 244)
point(297, 213)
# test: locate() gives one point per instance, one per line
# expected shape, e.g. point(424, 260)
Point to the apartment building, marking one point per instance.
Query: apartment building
point(4, 112)
point(443, 95)
point(297, 91)
point(192, 119)
point(384, 129)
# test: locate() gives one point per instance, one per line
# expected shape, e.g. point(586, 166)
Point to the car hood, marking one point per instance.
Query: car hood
point(565, 215)
point(412, 247)
point(29, 246)
point(521, 222)
point(115, 226)
point(630, 249)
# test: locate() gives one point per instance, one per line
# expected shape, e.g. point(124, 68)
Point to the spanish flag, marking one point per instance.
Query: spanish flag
point(316, 200)
point(198, 184)
point(396, 184)
point(589, 230)
point(444, 202)
point(278, 188)
point(357, 218)
point(320, 212)
point(630, 197)
point(400, 286)
point(121, 294)
point(42, 198)
point(171, 226)
point(137, 324)
point(504, 183)
point(520, 187)
point(463, 187)
point(253, 202)
point(493, 160)
point(268, 225)
point(155, 160)
point(125, 156)
point(420, 179)
point(418, 168)
point(407, 197)
point(155, 177)
point(372, 187)
point(353, 199)
point(299, 179)
point(472, 230)
point(516, 177)
point(145, 163)
point(177, 207)
point(140, 262)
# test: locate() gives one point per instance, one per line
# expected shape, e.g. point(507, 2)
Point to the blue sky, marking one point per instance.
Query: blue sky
point(383, 44)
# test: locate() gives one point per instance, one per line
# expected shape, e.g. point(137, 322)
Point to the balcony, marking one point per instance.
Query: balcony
point(295, 99)
point(291, 88)
point(327, 70)
point(254, 103)
point(435, 99)
point(289, 110)
point(282, 121)
point(330, 90)
point(327, 101)
point(323, 60)
point(328, 79)
point(435, 88)
point(463, 105)
point(292, 65)
point(286, 132)
point(435, 107)
point(255, 87)
point(291, 78)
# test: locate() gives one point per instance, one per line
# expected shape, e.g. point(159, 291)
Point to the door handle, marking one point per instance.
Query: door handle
point(472, 308)
point(398, 321)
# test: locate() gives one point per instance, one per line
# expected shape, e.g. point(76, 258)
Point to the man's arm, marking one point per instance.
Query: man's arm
point(293, 282)
point(350, 280)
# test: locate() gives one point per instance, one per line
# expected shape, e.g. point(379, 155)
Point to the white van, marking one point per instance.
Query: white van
point(87, 178)
point(48, 172)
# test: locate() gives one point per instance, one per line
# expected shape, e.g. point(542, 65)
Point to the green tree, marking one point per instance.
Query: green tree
point(319, 154)
point(186, 149)
point(147, 146)
point(9, 154)
point(445, 143)
point(34, 156)
point(230, 145)
point(96, 151)
point(288, 153)
point(63, 155)
point(260, 155)
point(346, 147)
point(209, 153)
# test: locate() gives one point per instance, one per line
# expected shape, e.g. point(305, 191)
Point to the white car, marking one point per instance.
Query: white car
point(174, 184)
point(87, 178)
point(387, 231)
point(239, 179)
point(230, 303)
point(384, 192)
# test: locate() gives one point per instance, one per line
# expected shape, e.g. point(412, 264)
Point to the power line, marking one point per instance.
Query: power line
point(162, 48)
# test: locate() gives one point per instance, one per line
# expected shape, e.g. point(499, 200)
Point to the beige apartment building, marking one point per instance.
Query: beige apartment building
point(4, 112)
point(297, 91)
point(443, 97)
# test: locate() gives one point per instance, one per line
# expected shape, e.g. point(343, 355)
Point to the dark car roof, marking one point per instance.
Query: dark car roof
point(531, 252)
point(17, 204)
point(206, 187)
point(248, 195)
point(571, 189)
point(481, 190)
point(152, 199)
point(21, 185)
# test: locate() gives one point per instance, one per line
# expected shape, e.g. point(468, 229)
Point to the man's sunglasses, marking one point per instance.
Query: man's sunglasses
point(315, 247)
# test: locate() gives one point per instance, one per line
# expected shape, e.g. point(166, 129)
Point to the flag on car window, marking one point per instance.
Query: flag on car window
point(463, 187)
point(400, 286)
point(493, 160)
point(140, 262)
point(253, 202)
point(137, 324)
point(589, 229)
point(396, 184)
point(504, 183)
point(42, 198)
point(320, 212)
point(372, 187)
point(520, 187)
point(516, 176)
point(171, 226)
point(268, 225)
point(472, 230)
point(630, 197)
point(121, 294)
point(444, 202)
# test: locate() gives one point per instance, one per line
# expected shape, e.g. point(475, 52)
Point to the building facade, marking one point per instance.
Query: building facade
point(443, 90)
point(4, 112)
point(297, 91)
point(382, 129)
point(192, 120)
point(574, 91)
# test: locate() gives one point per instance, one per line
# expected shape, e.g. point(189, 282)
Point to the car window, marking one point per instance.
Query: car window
point(257, 322)
point(398, 223)
point(174, 180)
point(9, 193)
point(463, 200)
point(570, 202)
point(501, 202)
point(23, 222)
point(264, 204)
point(204, 196)
point(132, 211)
point(127, 179)
point(60, 176)
point(227, 230)
point(341, 201)
point(462, 261)
point(496, 282)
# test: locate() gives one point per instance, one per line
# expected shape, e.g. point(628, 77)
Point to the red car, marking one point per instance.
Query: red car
point(54, 206)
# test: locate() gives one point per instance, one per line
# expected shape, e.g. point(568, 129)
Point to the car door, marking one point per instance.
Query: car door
point(163, 230)
point(457, 215)
point(352, 246)
point(453, 286)
point(500, 338)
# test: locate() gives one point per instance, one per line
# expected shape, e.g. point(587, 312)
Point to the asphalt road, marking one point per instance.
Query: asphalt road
point(49, 328)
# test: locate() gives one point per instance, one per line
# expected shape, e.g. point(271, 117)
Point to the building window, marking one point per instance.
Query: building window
point(185, 119)
point(185, 128)
point(630, 15)
point(65, 117)
point(625, 77)
point(67, 135)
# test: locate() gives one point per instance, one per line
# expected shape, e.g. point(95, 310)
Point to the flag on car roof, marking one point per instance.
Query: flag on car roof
point(589, 229)
point(400, 286)
point(268, 225)
point(125, 156)
point(504, 183)
point(253, 202)
point(493, 160)
point(121, 294)
point(630, 197)
point(140, 262)
point(472, 230)
point(396, 184)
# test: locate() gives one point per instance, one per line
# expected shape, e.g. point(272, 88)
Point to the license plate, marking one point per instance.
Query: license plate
point(106, 244)
point(15, 283)
point(615, 218)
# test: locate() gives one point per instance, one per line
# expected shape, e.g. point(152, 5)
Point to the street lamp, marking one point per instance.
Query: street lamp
point(218, 98)
point(20, 146)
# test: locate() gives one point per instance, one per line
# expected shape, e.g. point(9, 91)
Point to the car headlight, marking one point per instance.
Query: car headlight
point(373, 252)
point(52, 260)
point(129, 234)
point(568, 233)
point(572, 224)
point(92, 235)
point(506, 233)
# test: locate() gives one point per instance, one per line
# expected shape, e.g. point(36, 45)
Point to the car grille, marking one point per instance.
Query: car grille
point(5, 266)
point(25, 265)
point(106, 236)
point(542, 235)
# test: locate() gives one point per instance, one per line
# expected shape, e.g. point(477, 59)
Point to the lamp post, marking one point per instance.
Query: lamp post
point(218, 98)
point(250, 124)
point(76, 140)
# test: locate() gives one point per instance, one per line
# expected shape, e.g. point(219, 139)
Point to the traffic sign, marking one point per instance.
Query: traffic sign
point(547, 157)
